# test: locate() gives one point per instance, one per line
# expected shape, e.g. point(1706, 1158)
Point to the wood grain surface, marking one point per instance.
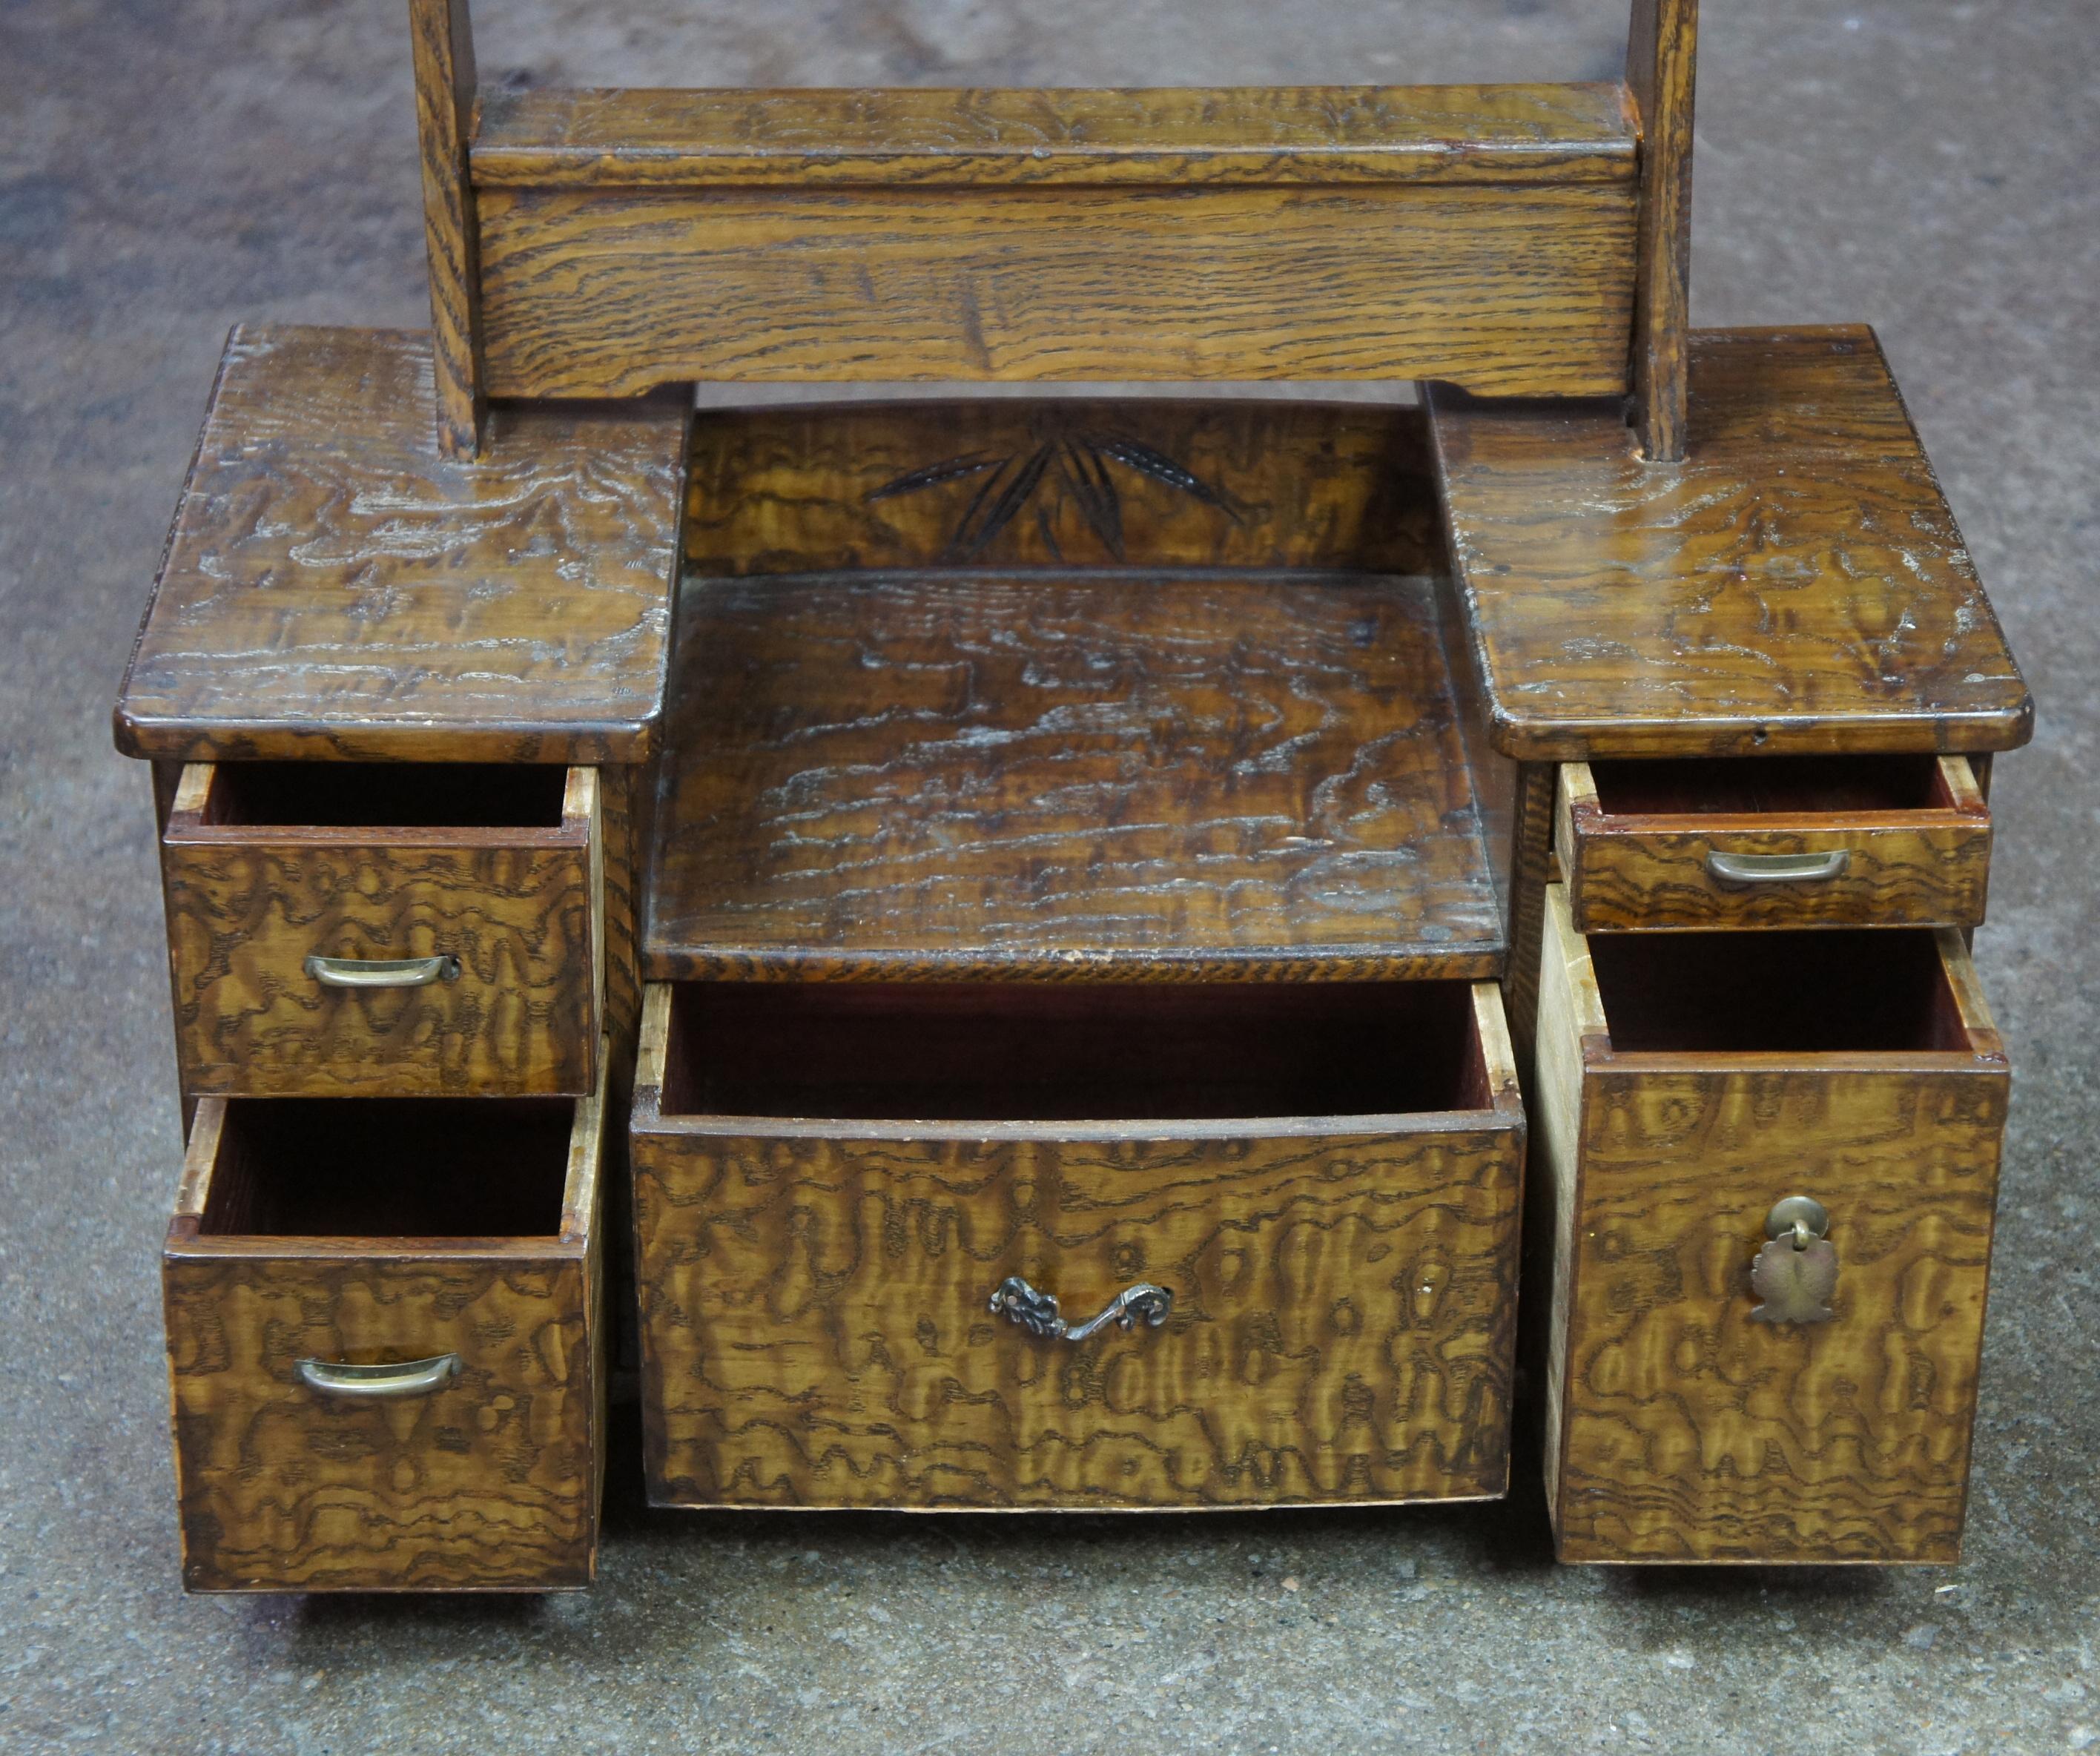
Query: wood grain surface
point(489, 1483)
point(520, 907)
point(815, 1330)
point(543, 137)
point(1797, 585)
point(1662, 55)
point(1682, 1431)
point(1008, 482)
point(442, 37)
point(335, 588)
point(1928, 865)
point(626, 812)
point(1067, 776)
point(589, 292)
point(1530, 869)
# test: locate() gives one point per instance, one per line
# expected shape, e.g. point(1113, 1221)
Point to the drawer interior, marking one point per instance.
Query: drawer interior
point(1032, 1052)
point(387, 794)
point(1788, 785)
point(389, 1167)
point(1822, 992)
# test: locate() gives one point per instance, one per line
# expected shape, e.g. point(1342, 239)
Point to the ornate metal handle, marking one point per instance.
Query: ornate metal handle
point(411, 1378)
point(1776, 868)
point(1796, 1274)
point(1037, 1312)
point(383, 972)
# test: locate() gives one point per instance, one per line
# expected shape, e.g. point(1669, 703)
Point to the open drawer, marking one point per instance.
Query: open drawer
point(386, 1344)
point(876, 1223)
point(411, 930)
point(1707, 1400)
point(1773, 841)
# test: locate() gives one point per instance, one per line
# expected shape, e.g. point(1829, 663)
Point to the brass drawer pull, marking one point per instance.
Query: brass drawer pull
point(1776, 868)
point(1795, 1274)
point(1037, 1312)
point(411, 1378)
point(383, 972)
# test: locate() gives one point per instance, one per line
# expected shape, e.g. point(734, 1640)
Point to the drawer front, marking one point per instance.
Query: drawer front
point(516, 916)
point(488, 1481)
point(1788, 867)
point(1680, 1426)
point(816, 1329)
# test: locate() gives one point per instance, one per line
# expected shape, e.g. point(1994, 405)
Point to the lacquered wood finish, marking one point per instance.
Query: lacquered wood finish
point(1798, 585)
point(335, 588)
point(521, 907)
point(1928, 864)
point(1028, 483)
point(490, 1482)
point(1484, 235)
point(815, 1330)
point(1067, 777)
point(542, 137)
point(1678, 1428)
point(610, 293)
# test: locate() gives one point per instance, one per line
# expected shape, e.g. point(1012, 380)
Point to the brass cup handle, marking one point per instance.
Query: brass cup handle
point(411, 1378)
point(382, 973)
point(1777, 868)
point(1037, 1312)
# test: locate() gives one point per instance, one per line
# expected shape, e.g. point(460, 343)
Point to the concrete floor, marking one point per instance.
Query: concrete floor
point(166, 168)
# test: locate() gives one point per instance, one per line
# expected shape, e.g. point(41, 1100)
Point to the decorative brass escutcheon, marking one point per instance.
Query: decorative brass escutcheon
point(1797, 1272)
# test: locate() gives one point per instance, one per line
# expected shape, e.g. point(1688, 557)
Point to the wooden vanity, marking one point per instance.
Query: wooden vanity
point(1067, 952)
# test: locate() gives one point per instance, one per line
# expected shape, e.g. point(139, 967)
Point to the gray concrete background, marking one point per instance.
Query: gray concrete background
point(168, 166)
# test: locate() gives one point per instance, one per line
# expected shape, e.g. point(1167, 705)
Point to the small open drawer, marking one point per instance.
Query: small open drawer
point(1773, 841)
point(877, 1225)
point(386, 1344)
point(1816, 1406)
point(411, 929)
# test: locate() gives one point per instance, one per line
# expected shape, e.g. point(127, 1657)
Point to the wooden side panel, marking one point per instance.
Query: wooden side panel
point(1531, 868)
point(627, 801)
point(1662, 55)
point(590, 291)
point(1570, 1012)
point(815, 1329)
point(442, 36)
point(243, 917)
point(1009, 481)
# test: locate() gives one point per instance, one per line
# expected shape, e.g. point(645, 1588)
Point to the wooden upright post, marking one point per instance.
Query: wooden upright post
point(443, 35)
point(1662, 55)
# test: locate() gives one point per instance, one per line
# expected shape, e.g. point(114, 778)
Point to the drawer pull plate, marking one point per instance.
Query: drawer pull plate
point(383, 972)
point(411, 1378)
point(1776, 868)
point(1037, 1312)
point(1796, 1271)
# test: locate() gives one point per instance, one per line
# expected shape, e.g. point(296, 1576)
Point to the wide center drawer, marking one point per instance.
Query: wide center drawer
point(342, 929)
point(1773, 841)
point(386, 1343)
point(840, 1190)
